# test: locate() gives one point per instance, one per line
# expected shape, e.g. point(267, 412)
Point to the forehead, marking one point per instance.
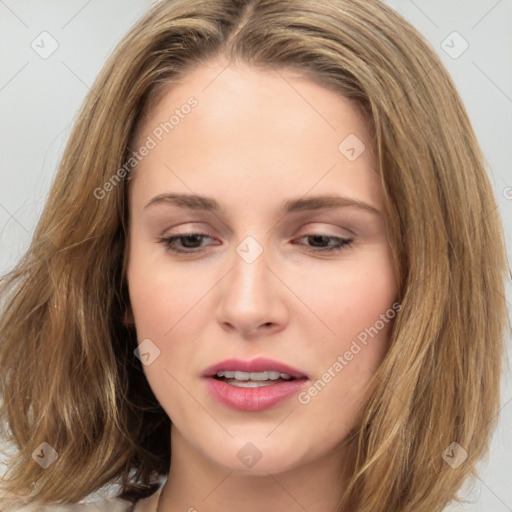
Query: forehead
point(251, 126)
point(240, 92)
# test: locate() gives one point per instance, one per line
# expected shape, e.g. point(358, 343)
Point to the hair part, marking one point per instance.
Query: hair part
point(68, 374)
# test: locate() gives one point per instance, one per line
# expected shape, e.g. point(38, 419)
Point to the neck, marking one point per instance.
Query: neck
point(195, 484)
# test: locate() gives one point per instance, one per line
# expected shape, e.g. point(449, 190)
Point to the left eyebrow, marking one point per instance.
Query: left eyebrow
point(326, 201)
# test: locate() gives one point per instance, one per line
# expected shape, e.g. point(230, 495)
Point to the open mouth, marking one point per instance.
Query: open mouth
point(252, 379)
point(253, 385)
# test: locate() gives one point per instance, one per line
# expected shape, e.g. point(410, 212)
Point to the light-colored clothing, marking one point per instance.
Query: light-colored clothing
point(110, 504)
point(104, 505)
point(102, 500)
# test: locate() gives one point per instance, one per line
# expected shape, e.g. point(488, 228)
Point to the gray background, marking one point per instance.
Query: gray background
point(39, 99)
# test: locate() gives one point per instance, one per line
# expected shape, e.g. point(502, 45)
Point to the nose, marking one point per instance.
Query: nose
point(252, 298)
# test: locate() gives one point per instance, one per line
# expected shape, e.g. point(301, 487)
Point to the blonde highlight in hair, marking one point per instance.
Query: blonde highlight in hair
point(68, 373)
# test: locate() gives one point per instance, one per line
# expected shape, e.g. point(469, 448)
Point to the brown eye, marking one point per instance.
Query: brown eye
point(189, 242)
point(325, 243)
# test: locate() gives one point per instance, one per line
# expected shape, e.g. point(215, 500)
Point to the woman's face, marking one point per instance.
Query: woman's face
point(276, 179)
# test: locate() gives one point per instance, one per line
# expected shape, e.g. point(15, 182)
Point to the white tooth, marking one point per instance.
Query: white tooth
point(254, 376)
point(259, 376)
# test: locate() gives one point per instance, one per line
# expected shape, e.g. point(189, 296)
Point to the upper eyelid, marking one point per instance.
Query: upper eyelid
point(308, 230)
point(313, 232)
point(178, 236)
point(327, 216)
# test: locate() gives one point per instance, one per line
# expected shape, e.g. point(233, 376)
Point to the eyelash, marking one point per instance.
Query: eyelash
point(340, 243)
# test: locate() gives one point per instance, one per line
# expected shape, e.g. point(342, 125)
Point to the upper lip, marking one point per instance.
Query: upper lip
point(259, 364)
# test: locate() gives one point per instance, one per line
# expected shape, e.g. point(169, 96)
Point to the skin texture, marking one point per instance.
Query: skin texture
point(255, 139)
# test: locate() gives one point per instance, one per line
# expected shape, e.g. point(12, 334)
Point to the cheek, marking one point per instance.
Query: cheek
point(169, 303)
point(163, 305)
point(351, 297)
point(149, 304)
point(358, 305)
point(163, 296)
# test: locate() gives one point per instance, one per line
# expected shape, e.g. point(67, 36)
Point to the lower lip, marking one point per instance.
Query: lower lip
point(253, 399)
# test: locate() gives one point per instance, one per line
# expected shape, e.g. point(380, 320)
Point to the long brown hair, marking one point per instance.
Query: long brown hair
point(68, 372)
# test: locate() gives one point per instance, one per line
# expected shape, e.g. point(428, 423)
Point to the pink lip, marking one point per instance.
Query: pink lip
point(253, 399)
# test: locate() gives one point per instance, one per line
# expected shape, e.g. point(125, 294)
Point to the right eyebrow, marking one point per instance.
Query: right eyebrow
point(190, 201)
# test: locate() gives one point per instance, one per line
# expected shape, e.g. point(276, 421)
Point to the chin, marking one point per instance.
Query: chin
point(258, 458)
